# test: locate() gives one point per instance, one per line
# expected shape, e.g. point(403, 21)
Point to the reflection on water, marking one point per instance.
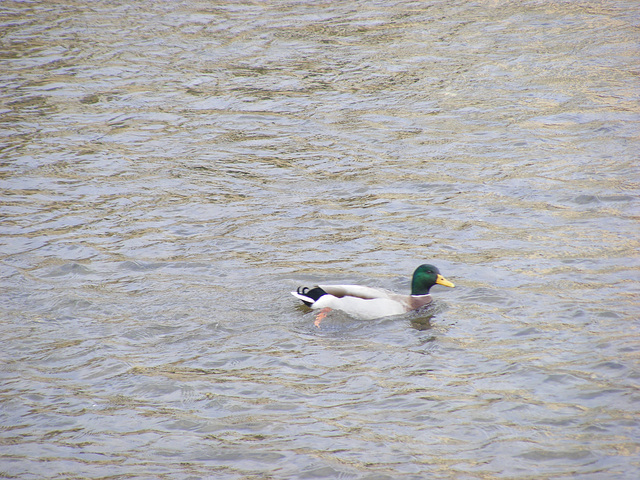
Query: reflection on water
point(171, 170)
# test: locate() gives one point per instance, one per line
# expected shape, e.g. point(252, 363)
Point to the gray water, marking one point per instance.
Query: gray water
point(171, 170)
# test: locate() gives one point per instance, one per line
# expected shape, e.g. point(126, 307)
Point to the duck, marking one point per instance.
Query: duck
point(368, 303)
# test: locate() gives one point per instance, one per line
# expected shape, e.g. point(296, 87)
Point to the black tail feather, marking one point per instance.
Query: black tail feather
point(314, 293)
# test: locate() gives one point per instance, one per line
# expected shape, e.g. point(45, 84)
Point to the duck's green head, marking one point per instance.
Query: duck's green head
point(425, 277)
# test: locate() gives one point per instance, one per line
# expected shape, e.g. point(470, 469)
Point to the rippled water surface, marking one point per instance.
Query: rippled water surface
point(171, 170)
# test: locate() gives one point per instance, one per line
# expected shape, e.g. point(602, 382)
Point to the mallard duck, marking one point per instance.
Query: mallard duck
point(368, 303)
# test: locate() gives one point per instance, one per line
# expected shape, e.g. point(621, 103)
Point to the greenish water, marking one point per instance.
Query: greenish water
point(171, 170)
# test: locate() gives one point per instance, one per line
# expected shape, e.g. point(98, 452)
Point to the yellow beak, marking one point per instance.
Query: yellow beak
point(443, 281)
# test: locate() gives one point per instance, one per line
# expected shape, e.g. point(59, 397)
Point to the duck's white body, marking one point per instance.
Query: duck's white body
point(365, 303)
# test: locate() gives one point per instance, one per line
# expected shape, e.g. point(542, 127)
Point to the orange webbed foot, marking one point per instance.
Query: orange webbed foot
point(321, 316)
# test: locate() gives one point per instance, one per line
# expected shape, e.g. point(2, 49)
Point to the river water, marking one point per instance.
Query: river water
point(171, 170)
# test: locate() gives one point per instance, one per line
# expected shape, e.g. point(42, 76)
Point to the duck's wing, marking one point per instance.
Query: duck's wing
point(363, 308)
point(357, 291)
point(356, 300)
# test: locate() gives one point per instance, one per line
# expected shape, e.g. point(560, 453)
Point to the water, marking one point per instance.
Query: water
point(171, 170)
